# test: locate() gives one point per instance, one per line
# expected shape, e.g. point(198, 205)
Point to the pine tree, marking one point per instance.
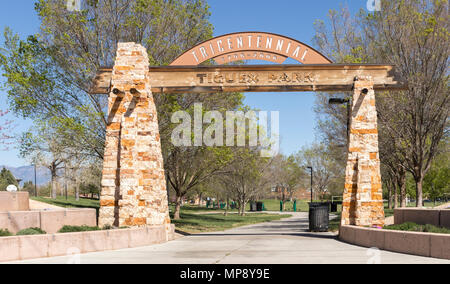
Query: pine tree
point(7, 178)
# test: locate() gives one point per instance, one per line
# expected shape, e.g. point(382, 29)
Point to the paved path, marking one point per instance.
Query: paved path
point(278, 242)
point(443, 206)
point(37, 205)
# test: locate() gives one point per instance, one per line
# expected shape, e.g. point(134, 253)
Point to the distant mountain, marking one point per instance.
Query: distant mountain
point(26, 173)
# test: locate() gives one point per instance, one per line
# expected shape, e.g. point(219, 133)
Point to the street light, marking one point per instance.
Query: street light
point(339, 101)
point(35, 182)
point(311, 183)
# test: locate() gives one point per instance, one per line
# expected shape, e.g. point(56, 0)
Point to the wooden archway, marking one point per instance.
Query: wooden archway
point(133, 183)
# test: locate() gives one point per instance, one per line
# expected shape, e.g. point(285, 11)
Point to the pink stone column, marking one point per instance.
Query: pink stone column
point(133, 185)
point(363, 196)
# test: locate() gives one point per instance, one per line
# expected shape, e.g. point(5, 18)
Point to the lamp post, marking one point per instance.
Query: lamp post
point(312, 197)
point(35, 184)
point(339, 101)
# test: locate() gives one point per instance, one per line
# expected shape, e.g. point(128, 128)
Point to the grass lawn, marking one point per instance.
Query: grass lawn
point(191, 221)
point(71, 202)
point(274, 205)
point(201, 223)
point(333, 226)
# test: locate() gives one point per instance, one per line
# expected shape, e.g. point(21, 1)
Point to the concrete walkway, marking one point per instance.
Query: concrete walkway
point(37, 205)
point(443, 206)
point(280, 242)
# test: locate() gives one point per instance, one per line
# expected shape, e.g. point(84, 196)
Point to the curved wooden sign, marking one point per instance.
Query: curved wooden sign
point(251, 46)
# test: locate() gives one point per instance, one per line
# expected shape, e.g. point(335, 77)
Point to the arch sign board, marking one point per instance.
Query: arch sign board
point(250, 46)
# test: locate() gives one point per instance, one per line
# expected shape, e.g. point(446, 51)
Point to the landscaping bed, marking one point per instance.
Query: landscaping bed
point(416, 243)
point(195, 223)
point(84, 240)
point(413, 227)
point(65, 229)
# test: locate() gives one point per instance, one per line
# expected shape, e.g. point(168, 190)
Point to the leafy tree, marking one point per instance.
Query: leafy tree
point(7, 178)
point(325, 168)
point(28, 186)
point(413, 36)
point(48, 75)
point(89, 189)
point(247, 177)
point(5, 130)
point(287, 175)
point(46, 147)
point(189, 167)
point(437, 181)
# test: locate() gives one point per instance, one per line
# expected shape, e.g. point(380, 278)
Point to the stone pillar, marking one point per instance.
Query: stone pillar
point(363, 196)
point(133, 184)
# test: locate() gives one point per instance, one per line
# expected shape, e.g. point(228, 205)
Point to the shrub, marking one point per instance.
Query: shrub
point(31, 231)
point(74, 229)
point(413, 227)
point(5, 233)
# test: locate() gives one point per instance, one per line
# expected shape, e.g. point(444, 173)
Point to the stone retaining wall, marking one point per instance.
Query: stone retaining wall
point(422, 244)
point(14, 201)
point(436, 217)
point(40, 246)
point(50, 221)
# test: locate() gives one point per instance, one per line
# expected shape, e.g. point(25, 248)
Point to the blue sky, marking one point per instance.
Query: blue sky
point(292, 18)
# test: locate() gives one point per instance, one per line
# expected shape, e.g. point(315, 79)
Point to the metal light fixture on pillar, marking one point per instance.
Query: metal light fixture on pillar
point(339, 101)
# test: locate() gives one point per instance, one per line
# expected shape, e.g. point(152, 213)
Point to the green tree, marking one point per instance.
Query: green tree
point(28, 186)
point(187, 167)
point(7, 178)
point(247, 177)
point(5, 130)
point(325, 169)
point(437, 180)
point(412, 35)
point(48, 75)
point(287, 175)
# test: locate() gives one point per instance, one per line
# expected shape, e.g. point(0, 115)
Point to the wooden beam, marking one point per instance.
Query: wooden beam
point(102, 81)
point(259, 78)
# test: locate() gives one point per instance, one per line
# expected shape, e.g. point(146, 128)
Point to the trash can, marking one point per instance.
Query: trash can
point(253, 207)
point(259, 206)
point(319, 216)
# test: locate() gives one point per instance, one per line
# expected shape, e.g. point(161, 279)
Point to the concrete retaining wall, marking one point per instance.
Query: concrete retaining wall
point(40, 246)
point(436, 217)
point(422, 244)
point(14, 201)
point(49, 221)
